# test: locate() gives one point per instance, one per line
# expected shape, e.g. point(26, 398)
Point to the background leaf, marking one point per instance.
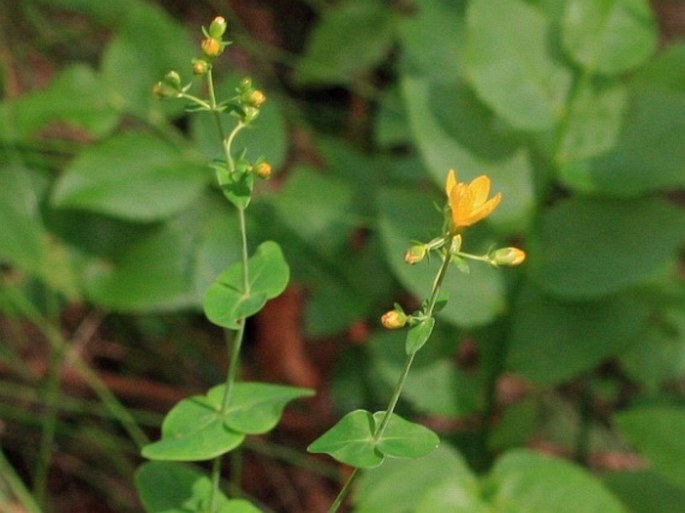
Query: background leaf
point(515, 71)
point(609, 36)
point(133, 176)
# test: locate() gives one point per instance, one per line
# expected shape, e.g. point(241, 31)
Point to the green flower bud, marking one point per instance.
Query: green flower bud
point(173, 79)
point(415, 254)
point(218, 27)
point(507, 256)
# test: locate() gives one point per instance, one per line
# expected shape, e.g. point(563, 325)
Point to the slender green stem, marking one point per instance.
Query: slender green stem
point(214, 492)
point(49, 424)
point(234, 343)
point(394, 399)
point(344, 491)
point(16, 485)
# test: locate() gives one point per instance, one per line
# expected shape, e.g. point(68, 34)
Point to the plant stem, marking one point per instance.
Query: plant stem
point(234, 343)
point(16, 485)
point(394, 399)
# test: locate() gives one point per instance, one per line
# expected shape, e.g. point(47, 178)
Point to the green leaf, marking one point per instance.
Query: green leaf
point(648, 155)
point(645, 492)
point(447, 498)
point(149, 44)
point(398, 485)
point(404, 439)
point(365, 27)
point(350, 441)
point(26, 243)
point(609, 36)
point(419, 334)
point(594, 122)
point(166, 487)
point(255, 408)
point(658, 432)
point(526, 481)
point(193, 430)
point(196, 429)
point(227, 302)
point(76, 96)
point(432, 40)
point(585, 248)
point(134, 176)
point(475, 299)
point(162, 267)
point(514, 70)
point(315, 207)
point(553, 341)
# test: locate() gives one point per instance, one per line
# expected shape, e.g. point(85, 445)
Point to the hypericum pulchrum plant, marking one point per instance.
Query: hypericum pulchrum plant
point(363, 439)
point(206, 427)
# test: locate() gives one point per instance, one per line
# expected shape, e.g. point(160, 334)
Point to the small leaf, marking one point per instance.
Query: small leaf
point(227, 302)
point(238, 188)
point(256, 408)
point(404, 439)
point(419, 334)
point(350, 441)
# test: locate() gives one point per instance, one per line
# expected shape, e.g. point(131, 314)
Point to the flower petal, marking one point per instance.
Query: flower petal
point(450, 182)
point(481, 188)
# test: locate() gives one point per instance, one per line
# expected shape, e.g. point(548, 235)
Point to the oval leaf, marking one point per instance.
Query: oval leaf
point(133, 176)
point(584, 248)
point(514, 70)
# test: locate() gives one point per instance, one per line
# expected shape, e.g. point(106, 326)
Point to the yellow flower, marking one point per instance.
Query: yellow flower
point(393, 320)
point(469, 202)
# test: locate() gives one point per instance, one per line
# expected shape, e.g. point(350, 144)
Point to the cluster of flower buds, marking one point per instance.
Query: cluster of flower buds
point(250, 99)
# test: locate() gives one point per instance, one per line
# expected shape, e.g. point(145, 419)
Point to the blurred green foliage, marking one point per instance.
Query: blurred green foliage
point(568, 106)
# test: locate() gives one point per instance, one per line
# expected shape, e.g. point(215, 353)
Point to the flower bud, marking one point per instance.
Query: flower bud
point(211, 47)
point(415, 254)
point(394, 319)
point(245, 84)
point(173, 79)
point(200, 67)
point(256, 98)
point(507, 256)
point(217, 27)
point(263, 170)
